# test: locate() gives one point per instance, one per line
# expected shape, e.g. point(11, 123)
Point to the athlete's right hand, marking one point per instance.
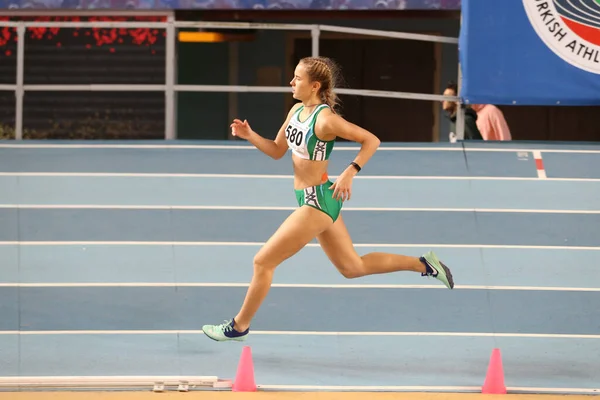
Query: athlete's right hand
point(241, 129)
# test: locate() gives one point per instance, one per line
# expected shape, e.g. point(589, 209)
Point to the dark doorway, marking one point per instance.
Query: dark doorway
point(553, 123)
point(383, 64)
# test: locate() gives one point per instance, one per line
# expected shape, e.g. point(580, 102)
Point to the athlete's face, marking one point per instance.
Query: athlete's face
point(302, 87)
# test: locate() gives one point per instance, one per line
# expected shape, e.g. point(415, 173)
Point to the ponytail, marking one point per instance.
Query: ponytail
point(329, 97)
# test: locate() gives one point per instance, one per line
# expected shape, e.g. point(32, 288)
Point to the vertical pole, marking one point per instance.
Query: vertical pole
point(233, 80)
point(460, 116)
point(170, 71)
point(315, 32)
point(19, 93)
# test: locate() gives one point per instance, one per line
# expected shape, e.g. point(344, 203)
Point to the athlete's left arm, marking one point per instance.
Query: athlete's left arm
point(334, 125)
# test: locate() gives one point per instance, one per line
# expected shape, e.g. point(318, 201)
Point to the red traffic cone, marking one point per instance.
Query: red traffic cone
point(494, 380)
point(244, 378)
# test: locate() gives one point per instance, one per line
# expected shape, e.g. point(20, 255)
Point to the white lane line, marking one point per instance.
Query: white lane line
point(294, 285)
point(306, 333)
point(290, 177)
point(288, 208)
point(258, 244)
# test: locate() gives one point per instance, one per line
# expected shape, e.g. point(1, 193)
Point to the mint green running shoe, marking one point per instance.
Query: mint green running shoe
point(437, 269)
point(224, 332)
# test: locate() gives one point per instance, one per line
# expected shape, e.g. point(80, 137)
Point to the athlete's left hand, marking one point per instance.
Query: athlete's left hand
point(342, 187)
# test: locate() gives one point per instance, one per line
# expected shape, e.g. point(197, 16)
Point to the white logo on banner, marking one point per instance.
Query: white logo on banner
point(570, 28)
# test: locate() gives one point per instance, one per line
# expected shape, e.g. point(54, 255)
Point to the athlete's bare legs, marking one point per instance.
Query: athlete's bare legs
point(295, 232)
point(298, 230)
point(337, 244)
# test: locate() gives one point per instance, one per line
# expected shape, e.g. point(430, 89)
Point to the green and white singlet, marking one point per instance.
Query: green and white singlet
point(303, 141)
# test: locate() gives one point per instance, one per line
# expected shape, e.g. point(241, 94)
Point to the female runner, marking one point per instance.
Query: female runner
point(309, 131)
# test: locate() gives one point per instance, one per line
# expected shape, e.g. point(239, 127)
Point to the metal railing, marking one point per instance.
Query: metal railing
point(170, 87)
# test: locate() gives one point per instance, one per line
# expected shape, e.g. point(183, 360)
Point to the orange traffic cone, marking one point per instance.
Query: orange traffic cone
point(494, 380)
point(244, 378)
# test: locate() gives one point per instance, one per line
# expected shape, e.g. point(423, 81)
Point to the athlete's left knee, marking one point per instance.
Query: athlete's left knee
point(351, 274)
point(350, 270)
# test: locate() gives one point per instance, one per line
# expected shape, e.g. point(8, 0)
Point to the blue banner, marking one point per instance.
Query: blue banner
point(530, 52)
point(233, 4)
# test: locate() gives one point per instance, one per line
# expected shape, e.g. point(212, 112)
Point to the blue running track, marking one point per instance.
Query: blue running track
point(115, 254)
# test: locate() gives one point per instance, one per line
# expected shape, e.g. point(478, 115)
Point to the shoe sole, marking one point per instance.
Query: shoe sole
point(447, 273)
point(238, 339)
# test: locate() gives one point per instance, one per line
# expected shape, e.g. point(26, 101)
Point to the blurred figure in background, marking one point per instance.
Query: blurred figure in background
point(491, 122)
point(451, 108)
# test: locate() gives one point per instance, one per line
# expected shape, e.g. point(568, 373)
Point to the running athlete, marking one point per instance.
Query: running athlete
point(310, 130)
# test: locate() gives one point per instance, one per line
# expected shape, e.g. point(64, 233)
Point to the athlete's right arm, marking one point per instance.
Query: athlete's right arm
point(273, 148)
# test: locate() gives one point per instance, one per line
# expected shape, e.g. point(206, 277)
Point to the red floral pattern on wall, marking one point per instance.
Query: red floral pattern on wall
point(94, 36)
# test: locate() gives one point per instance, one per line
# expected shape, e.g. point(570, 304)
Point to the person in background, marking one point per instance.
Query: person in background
point(491, 122)
point(451, 107)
